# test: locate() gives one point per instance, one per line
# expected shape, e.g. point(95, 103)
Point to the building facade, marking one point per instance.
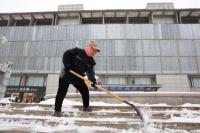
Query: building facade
point(138, 47)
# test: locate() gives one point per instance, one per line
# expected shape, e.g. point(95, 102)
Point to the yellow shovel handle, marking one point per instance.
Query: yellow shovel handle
point(98, 86)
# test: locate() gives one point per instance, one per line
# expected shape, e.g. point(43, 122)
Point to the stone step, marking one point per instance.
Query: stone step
point(122, 108)
point(112, 117)
point(116, 123)
point(99, 114)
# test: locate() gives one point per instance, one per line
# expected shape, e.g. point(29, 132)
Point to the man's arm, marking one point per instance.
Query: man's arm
point(91, 76)
point(69, 56)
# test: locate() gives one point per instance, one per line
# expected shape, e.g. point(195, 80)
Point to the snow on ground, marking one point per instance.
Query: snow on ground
point(5, 100)
point(31, 124)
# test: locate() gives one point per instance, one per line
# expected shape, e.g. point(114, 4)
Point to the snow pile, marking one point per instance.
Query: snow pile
point(5, 100)
point(33, 108)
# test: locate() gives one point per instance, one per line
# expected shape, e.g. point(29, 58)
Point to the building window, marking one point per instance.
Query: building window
point(3, 23)
point(114, 20)
point(1, 77)
point(190, 20)
point(92, 20)
point(14, 80)
point(44, 22)
point(117, 80)
point(36, 81)
point(22, 23)
point(138, 20)
point(195, 82)
point(143, 80)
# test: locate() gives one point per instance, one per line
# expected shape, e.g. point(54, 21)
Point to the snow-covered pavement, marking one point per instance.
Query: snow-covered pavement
point(106, 117)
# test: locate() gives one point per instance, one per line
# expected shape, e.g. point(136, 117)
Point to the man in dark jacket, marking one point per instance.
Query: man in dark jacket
point(80, 61)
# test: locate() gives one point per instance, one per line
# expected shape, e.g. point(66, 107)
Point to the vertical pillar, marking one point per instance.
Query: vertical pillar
point(80, 18)
point(52, 84)
point(103, 18)
point(10, 21)
point(129, 80)
point(177, 18)
point(151, 18)
point(32, 20)
point(55, 19)
point(6, 73)
point(127, 18)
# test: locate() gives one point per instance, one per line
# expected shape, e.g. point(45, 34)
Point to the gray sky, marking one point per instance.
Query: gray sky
point(51, 5)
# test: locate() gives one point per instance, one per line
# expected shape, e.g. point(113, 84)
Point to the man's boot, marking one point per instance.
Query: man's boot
point(87, 109)
point(58, 114)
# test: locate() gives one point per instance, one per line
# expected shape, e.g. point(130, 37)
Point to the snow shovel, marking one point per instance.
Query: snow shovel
point(111, 94)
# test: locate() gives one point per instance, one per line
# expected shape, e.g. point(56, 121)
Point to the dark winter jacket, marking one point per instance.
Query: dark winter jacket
point(77, 60)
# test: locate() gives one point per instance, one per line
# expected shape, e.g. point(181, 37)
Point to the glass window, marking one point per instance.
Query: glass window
point(116, 63)
point(186, 31)
point(197, 47)
point(170, 64)
point(36, 81)
point(133, 48)
point(188, 64)
point(151, 48)
point(134, 64)
point(1, 77)
point(117, 80)
point(170, 31)
point(195, 82)
point(133, 31)
point(168, 48)
point(186, 48)
point(143, 80)
point(97, 31)
point(196, 31)
point(152, 64)
point(147, 31)
point(101, 61)
point(115, 31)
point(14, 80)
point(119, 48)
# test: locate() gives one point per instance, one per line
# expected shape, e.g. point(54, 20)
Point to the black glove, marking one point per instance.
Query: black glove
point(94, 85)
point(67, 67)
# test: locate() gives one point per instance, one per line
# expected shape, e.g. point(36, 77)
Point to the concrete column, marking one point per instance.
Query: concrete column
point(10, 21)
point(129, 80)
point(127, 18)
point(151, 18)
point(80, 18)
point(23, 80)
point(173, 83)
point(103, 18)
point(55, 19)
point(6, 73)
point(177, 18)
point(52, 83)
point(32, 20)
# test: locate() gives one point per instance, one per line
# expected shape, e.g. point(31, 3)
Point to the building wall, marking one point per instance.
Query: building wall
point(127, 49)
point(149, 48)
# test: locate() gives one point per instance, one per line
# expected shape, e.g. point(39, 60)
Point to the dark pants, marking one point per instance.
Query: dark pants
point(62, 91)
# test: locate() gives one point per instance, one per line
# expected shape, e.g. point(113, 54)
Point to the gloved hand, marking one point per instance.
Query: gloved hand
point(67, 67)
point(93, 85)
